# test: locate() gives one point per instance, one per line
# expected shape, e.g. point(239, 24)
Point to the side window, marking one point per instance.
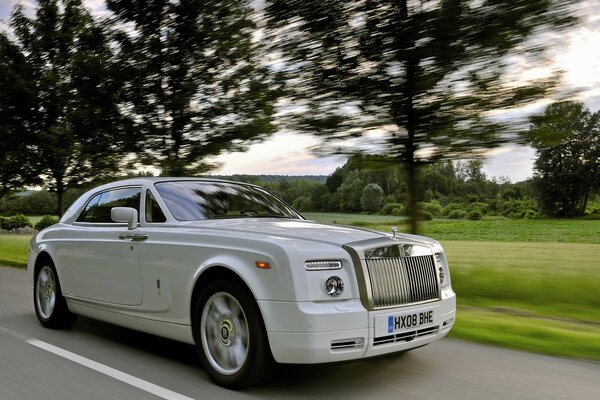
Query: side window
point(153, 210)
point(98, 210)
point(87, 215)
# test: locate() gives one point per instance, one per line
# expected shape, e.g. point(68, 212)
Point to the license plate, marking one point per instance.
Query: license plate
point(404, 322)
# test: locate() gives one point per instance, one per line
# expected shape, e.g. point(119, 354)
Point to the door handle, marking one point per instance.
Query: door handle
point(139, 237)
point(126, 236)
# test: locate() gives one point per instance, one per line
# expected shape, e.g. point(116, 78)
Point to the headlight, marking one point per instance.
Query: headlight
point(322, 265)
point(443, 271)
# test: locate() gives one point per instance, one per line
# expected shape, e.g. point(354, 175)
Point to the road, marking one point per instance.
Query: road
point(102, 361)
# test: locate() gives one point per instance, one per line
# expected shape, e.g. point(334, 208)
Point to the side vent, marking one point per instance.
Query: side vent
point(348, 344)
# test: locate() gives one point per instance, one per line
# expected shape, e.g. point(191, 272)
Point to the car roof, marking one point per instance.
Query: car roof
point(156, 179)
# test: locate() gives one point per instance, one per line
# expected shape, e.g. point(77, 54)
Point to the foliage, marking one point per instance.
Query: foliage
point(393, 209)
point(14, 222)
point(45, 222)
point(424, 77)
point(434, 208)
point(193, 80)
point(372, 198)
point(36, 203)
point(76, 121)
point(18, 166)
point(474, 215)
point(567, 169)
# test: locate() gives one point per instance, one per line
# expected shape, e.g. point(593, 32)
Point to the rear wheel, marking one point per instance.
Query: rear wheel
point(50, 305)
point(230, 336)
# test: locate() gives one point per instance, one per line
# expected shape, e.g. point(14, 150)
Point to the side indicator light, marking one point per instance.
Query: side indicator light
point(263, 264)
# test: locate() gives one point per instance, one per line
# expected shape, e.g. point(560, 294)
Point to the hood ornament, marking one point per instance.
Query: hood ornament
point(394, 231)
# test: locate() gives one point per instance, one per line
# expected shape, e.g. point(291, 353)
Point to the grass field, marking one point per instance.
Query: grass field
point(13, 250)
point(492, 229)
point(527, 284)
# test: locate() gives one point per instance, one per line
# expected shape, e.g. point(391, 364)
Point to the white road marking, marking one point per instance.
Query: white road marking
point(113, 373)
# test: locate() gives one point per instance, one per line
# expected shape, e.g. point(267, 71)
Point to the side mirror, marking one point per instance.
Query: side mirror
point(125, 214)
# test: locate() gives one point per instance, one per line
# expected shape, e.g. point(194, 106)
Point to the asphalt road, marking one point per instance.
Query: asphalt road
point(130, 365)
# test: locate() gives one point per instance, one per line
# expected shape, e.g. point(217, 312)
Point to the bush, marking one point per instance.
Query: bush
point(302, 203)
point(457, 214)
point(14, 222)
point(388, 208)
point(474, 215)
point(426, 216)
point(454, 209)
point(433, 207)
point(45, 222)
point(482, 207)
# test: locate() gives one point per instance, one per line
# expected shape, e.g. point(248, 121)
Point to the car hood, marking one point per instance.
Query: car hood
point(290, 229)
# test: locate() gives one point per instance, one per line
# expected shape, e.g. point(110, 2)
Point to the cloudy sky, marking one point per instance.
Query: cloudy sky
point(289, 154)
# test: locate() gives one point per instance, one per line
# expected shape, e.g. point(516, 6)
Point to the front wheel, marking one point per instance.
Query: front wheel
point(50, 305)
point(230, 336)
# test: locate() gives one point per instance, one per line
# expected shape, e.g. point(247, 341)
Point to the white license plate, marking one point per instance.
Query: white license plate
point(391, 324)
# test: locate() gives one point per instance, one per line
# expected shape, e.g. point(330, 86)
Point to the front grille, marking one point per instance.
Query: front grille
point(405, 336)
point(401, 281)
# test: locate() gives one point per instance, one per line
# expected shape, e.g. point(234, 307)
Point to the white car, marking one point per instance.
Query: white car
point(234, 270)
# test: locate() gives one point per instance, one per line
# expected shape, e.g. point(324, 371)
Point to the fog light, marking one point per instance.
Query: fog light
point(442, 276)
point(334, 286)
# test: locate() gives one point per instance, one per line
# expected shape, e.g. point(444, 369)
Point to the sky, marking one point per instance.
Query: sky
point(287, 153)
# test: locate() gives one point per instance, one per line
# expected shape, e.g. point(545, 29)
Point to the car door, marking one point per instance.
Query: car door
point(106, 252)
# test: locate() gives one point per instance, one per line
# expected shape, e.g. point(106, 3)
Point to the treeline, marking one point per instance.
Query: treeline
point(448, 190)
point(454, 190)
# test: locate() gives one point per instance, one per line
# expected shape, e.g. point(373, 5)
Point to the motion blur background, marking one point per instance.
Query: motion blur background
point(474, 122)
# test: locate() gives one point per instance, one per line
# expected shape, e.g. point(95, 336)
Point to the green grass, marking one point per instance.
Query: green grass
point(487, 229)
point(547, 279)
point(13, 250)
point(539, 335)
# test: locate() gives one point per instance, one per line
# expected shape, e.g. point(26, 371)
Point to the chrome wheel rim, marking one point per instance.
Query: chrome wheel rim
point(224, 333)
point(45, 292)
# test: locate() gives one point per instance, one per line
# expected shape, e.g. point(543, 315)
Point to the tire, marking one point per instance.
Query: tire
point(50, 305)
point(230, 336)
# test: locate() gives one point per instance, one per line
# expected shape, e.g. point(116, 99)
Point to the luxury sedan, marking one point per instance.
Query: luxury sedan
point(235, 271)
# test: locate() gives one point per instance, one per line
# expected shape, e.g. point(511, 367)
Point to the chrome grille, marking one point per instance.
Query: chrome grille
point(401, 281)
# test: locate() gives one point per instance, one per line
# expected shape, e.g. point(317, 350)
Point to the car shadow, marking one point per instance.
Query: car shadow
point(290, 381)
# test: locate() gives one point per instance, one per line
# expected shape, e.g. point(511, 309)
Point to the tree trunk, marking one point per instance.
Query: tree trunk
point(60, 191)
point(412, 199)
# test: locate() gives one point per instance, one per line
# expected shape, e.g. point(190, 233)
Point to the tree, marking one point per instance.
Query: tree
point(75, 120)
point(194, 84)
point(567, 168)
point(18, 165)
point(416, 79)
point(372, 198)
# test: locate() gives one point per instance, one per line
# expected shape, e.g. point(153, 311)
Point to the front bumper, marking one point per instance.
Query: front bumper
point(313, 333)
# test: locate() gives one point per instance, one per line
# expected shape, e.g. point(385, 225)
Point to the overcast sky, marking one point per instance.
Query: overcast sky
point(289, 154)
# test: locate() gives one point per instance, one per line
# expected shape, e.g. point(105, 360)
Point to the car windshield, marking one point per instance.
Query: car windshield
point(198, 200)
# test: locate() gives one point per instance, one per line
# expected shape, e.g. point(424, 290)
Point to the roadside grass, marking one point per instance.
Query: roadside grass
point(546, 336)
point(550, 279)
point(13, 250)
